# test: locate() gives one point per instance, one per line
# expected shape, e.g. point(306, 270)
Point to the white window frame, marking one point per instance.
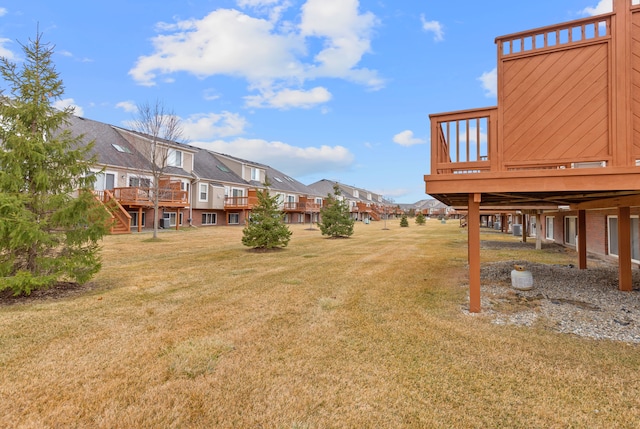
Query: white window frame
point(139, 178)
point(100, 184)
point(356, 194)
point(175, 158)
point(255, 174)
point(172, 217)
point(203, 189)
point(568, 220)
point(549, 221)
point(635, 243)
point(209, 218)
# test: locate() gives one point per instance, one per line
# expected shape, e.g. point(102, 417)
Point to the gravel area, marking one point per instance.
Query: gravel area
point(564, 298)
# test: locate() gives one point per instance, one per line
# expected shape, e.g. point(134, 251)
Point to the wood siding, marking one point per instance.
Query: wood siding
point(556, 106)
point(635, 91)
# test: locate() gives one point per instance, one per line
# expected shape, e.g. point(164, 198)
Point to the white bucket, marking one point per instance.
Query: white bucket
point(521, 280)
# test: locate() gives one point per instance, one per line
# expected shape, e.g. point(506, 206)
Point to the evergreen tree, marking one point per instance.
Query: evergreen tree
point(50, 224)
point(266, 228)
point(420, 220)
point(335, 218)
point(404, 222)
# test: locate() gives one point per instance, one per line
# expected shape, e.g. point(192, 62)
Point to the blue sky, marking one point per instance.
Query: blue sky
point(319, 89)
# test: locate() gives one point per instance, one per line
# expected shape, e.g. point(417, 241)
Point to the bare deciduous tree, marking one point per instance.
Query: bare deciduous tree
point(160, 125)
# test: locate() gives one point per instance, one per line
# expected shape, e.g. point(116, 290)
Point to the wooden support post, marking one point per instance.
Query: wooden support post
point(582, 239)
point(538, 230)
point(625, 280)
point(178, 219)
point(474, 252)
point(524, 228)
point(139, 219)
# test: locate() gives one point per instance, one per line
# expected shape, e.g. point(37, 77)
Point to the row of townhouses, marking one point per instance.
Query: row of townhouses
point(198, 187)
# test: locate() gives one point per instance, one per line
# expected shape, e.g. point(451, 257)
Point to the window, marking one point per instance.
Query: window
point(234, 218)
point(209, 219)
point(319, 201)
point(255, 174)
point(204, 192)
point(356, 194)
point(172, 218)
point(141, 182)
point(570, 230)
point(174, 158)
point(104, 181)
point(134, 219)
point(119, 148)
point(549, 229)
point(612, 223)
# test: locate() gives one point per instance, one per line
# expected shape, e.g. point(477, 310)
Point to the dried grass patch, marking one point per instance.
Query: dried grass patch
point(367, 332)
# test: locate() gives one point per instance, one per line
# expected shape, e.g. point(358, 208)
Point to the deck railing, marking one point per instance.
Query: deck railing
point(291, 206)
point(240, 202)
point(142, 196)
point(560, 36)
point(461, 142)
point(121, 220)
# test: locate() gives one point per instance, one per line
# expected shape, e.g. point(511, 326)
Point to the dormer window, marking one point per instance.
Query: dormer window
point(174, 158)
point(255, 174)
point(356, 194)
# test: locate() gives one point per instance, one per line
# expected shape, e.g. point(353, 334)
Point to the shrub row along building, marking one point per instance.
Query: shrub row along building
point(562, 145)
point(198, 187)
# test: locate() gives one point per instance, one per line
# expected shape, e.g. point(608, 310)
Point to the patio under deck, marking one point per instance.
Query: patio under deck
point(565, 132)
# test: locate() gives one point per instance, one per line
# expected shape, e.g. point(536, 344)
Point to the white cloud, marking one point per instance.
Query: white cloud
point(271, 55)
point(288, 98)
point(489, 82)
point(69, 102)
point(273, 8)
point(210, 94)
point(127, 106)
point(6, 52)
point(347, 37)
point(224, 42)
point(433, 27)
point(296, 161)
point(603, 6)
point(213, 125)
point(407, 139)
point(3, 11)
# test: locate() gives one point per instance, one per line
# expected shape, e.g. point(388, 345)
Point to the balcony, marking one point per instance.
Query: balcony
point(136, 196)
point(240, 203)
point(565, 129)
point(301, 207)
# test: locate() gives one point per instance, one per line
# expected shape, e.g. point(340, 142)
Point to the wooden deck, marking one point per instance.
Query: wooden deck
point(567, 125)
point(136, 196)
point(566, 131)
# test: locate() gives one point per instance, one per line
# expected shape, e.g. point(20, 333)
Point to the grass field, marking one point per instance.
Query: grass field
point(197, 331)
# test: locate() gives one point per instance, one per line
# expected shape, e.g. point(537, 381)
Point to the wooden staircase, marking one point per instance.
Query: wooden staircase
point(120, 220)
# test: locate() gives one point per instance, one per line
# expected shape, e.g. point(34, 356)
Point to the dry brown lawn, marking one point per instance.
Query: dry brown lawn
point(195, 331)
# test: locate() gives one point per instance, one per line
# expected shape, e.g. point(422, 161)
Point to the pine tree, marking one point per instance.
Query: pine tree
point(420, 220)
point(404, 222)
point(266, 228)
point(50, 224)
point(335, 218)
